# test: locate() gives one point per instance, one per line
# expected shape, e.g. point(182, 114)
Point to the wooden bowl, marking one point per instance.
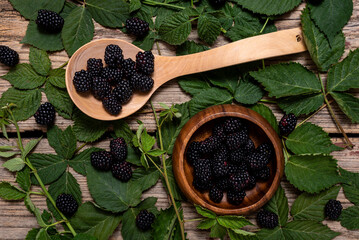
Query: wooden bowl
point(198, 128)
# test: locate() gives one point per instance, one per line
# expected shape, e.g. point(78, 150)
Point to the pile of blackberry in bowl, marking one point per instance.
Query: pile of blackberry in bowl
point(115, 82)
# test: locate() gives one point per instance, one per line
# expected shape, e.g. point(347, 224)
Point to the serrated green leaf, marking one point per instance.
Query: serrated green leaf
point(164, 224)
point(205, 212)
point(29, 8)
point(29, 204)
point(233, 222)
point(27, 102)
point(311, 206)
point(10, 192)
point(217, 231)
point(79, 161)
point(31, 235)
point(348, 104)
point(247, 91)
point(83, 236)
point(267, 113)
point(134, 5)
point(6, 148)
point(309, 138)
point(175, 29)
point(57, 77)
point(193, 84)
point(29, 147)
point(322, 52)
point(331, 15)
point(42, 234)
point(287, 79)
point(350, 218)
point(111, 13)
point(269, 7)
point(42, 40)
point(189, 47)
point(279, 205)
point(23, 179)
point(239, 233)
point(40, 61)
point(206, 224)
point(122, 129)
point(147, 141)
point(177, 194)
point(227, 78)
point(78, 29)
point(133, 156)
point(299, 105)
point(156, 152)
point(312, 173)
point(14, 165)
point(208, 28)
point(350, 185)
point(23, 76)
point(271, 234)
point(64, 142)
point(8, 154)
point(309, 230)
point(146, 178)
point(147, 42)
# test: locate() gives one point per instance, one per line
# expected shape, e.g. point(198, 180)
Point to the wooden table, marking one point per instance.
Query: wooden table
point(16, 220)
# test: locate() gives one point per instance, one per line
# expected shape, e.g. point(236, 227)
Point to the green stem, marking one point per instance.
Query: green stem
point(193, 19)
point(166, 176)
point(267, 101)
point(53, 224)
point(154, 3)
point(264, 26)
point(305, 120)
point(193, 220)
point(63, 65)
point(81, 147)
point(223, 30)
point(37, 193)
point(263, 64)
point(285, 150)
point(19, 141)
point(158, 48)
point(192, 5)
point(153, 162)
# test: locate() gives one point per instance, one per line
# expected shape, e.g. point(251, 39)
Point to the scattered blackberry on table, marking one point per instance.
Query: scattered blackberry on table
point(235, 197)
point(267, 219)
point(232, 125)
point(215, 194)
point(287, 124)
point(8, 56)
point(239, 181)
point(49, 21)
point(45, 114)
point(217, 3)
point(145, 62)
point(137, 26)
point(118, 148)
point(123, 92)
point(141, 82)
point(128, 67)
point(193, 152)
point(209, 145)
point(235, 140)
point(333, 209)
point(257, 161)
point(238, 156)
point(113, 56)
point(67, 204)
point(248, 146)
point(266, 149)
point(82, 81)
point(222, 183)
point(101, 160)
point(144, 220)
point(100, 88)
point(262, 174)
point(111, 104)
point(94, 67)
point(218, 131)
point(112, 75)
point(122, 171)
point(251, 183)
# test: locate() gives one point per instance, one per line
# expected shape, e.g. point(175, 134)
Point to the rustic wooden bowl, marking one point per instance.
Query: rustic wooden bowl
point(198, 128)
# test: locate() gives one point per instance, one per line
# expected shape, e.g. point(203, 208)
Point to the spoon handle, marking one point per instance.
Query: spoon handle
point(269, 45)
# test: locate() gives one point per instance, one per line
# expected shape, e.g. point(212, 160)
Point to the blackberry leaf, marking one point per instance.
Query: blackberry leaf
point(308, 230)
point(270, 7)
point(267, 113)
point(23, 179)
point(49, 167)
point(205, 212)
point(165, 223)
point(57, 77)
point(233, 222)
point(64, 142)
point(79, 161)
point(193, 84)
point(350, 218)
point(134, 5)
point(247, 91)
point(348, 104)
point(40, 61)
point(209, 28)
point(175, 29)
point(299, 105)
point(147, 42)
point(279, 205)
point(189, 47)
point(351, 185)
point(60, 99)
point(28, 9)
point(225, 78)
point(146, 177)
point(10, 192)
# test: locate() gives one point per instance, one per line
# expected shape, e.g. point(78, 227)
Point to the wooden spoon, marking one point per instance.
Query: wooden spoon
point(166, 68)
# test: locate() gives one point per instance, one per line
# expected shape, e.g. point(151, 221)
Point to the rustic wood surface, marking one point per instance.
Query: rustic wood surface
point(16, 221)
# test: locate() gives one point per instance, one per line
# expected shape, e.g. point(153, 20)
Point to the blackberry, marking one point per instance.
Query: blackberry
point(222, 183)
point(201, 162)
point(218, 131)
point(220, 166)
point(8, 56)
point(45, 114)
point(238, 156)
point(217, 3)
point(112, 75)
point(257, 161)
point(215, 194)
point(145, 62)
point(144, 220)
point(113, 56)
point(122, 171)
point(141, 82)
point(82, 81)
point(235, 197)
point(94, 67)
point(137, 26)
point(287, 124)
point(100, 88)
point(235, 140)
point(232, 169)
point(49, 21)
point(266, 149)
point(129, 68)
point(232, 125)
point(111, 104)
point(262, 174)
point(248, 146)
point(123, 92)
point(202, 184)
point(118, 148)
point(333, 209)
point(239, 181)
point(67, 204)
point(193, 152)
point(267, 219)
point(209, 145)
point(251, 183)
point(101, 160)
point(202, 174)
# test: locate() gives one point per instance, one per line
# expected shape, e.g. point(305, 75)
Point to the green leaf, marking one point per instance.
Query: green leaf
point(309, 230)
point(110, 193)
point(156, 152)
point(331, 15)
point(111, 13)
point(206, 224)
point(133, 156)
point(193, 84)
point(40, 61)
point(23, 179)
point(60, 99)
point(312, 173)
point(135, 5)
point(78, 29)
point(217, 231)
point(14, 165)
point(233, 222)
point(46, 41)
point(240, 234)
point(300, 104)
point(322, 52)
point(94, 221)
point(57, 77)
point(27, 102)
point(247, 91)
point(350, 218)
point(189, 47)
point(147, 141)
point(42, 234)
point(271, 234)
point(64, 142)
point(205, 212)
point(267, 113)
point(164, 224)
point(350, 185)
point(29, 8)
point(8, 154)
point(225, 78)
point(269, 7)
point(279, 205)
point(177, 194)
point(88, 129)
point(82, 236)
point(311, 206)
point(208, 28)
point(30, 146)
point(23, 76)
point(207, 98)
point(146, 178)
point(122, 129)
point(175, 29)
point(9, 192)
point(287, 79)
point(79, 162)
point(31, 235)
point(66, 184)
point(309, 138)
point(147, 42)
point(49, 167)
point(348, 104)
